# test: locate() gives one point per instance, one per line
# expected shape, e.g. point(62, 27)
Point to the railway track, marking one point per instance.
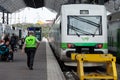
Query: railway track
point(72, 75)
point(70, 72)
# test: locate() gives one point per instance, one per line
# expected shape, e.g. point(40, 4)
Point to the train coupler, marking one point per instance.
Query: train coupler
point(108, 59)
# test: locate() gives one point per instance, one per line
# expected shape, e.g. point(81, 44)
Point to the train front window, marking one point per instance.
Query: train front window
point(84, 25)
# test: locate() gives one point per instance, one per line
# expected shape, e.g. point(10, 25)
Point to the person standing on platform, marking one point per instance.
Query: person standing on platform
point(6, 38)
point(13, 42)
point(30, 45)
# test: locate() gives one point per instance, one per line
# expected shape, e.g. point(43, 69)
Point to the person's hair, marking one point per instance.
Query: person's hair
point(13, 34)
point(31, 33)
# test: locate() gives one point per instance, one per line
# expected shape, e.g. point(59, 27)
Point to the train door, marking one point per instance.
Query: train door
point(38, 33)
point(20, 33)
point(118, 43)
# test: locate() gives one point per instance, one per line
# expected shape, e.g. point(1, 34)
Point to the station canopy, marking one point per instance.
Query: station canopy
point(11, 6)
point(14, 5)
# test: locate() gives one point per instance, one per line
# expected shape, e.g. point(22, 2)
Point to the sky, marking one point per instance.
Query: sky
point(32, 15)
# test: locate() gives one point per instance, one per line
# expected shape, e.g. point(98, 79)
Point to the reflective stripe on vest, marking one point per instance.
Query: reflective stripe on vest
point(30, 41)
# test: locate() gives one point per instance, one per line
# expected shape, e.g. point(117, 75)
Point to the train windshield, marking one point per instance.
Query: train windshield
point(84, 25)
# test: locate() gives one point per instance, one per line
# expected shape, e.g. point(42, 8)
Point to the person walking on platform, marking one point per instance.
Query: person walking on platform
point(13, 41)
point(30, 45)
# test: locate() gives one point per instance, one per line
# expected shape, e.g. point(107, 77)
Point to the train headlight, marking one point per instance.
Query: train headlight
point(69, 45)
point(99, 45)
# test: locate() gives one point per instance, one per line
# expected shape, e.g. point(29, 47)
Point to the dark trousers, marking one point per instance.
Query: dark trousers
point(30, 56)
point(12, 47)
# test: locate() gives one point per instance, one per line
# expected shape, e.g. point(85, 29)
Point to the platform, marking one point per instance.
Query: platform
point(45, 66)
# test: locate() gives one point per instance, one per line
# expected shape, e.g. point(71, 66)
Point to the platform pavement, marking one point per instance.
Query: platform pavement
point(18, 69)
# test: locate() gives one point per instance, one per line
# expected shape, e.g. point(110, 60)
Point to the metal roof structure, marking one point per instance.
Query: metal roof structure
point(113, 5)
point(34, 3)
point(14, 5)
point(11, 6)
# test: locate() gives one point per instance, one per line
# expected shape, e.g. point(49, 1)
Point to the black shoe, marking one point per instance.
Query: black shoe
point(30, 68)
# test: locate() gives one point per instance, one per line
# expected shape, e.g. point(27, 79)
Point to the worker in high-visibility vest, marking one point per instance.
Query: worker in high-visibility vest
point(30, 45)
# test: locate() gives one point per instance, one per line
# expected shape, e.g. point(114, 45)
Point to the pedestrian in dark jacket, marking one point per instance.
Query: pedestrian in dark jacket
point(13, 41)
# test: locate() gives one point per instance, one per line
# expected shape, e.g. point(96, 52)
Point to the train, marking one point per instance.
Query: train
point(37, 31)
point(8, 29)
point(114, 34)
point(80, 29)
point(5, 29)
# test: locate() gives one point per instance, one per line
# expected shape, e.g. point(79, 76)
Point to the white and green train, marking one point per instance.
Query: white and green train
point(80, 28)
point(5, 29)
point(114, 34)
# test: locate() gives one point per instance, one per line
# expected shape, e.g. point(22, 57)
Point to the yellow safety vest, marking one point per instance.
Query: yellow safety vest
point(30, 41)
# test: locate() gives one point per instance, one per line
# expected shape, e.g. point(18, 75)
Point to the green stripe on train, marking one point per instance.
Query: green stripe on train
point(64, 45)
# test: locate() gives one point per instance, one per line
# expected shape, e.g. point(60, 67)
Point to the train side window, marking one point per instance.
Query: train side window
point(60, 27)
point(107, 26)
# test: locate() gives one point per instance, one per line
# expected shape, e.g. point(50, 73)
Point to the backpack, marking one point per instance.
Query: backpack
point(3, 49)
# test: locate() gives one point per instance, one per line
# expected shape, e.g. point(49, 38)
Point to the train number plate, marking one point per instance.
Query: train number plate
point(85, 49)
